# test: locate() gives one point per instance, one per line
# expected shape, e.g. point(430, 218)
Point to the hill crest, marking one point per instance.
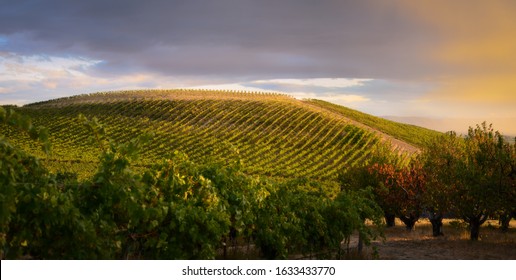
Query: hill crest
point(275, 134)
point(335, 111)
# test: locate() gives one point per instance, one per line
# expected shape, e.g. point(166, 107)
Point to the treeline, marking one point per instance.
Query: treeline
point(175, 209)
point(471, 178)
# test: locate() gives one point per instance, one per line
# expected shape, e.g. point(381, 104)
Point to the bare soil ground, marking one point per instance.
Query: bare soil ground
point(419, 244)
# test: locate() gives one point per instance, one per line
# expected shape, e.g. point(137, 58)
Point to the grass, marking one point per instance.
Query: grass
point(419, 244)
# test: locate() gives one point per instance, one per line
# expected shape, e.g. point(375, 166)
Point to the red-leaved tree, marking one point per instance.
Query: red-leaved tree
point(401, 190)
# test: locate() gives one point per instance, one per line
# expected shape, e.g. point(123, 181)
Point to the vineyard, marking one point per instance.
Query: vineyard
point(172, 209)
point(273, 135)
point(184, 174)
point(415, 135)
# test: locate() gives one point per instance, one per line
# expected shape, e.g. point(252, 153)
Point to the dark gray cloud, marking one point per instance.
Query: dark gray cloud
point(425, 58)
point(240, 38)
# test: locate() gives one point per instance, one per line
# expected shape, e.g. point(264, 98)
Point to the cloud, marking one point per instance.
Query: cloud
point(475, 51)
point(283, 86)
point(401, 57)
point(343, 99)
point(246, 40)
point(37, 68)
point(316, 82)
point(318, 86)
point(460, 125)
point(235, 87)
point(41, 73)
point(24, 79)
point(346, 98)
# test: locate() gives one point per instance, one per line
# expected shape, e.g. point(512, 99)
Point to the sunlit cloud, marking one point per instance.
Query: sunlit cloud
point(284, 86)
point(24, 79)
point(476, 53)
point(316, 82)
point(347, 98)
point(331, 97)
point(232, 86)
point(38, 73)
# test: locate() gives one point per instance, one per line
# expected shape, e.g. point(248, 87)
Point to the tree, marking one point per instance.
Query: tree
point(489, 182)
point(476, 173)
point(505, 176)
point(365, 175)
point(440, 159)
point(401, 189)
point(360, 177)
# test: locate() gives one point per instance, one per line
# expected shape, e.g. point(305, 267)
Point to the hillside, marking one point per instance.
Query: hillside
point(412, 134)
point(273, 134)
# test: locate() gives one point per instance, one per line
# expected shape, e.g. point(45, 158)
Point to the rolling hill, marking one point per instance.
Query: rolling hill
point(273, 134)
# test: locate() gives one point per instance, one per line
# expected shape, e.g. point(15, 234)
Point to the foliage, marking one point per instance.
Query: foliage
point(397, 184)
point(294, 218)
point(193, 216)
point(473, 176)
point(38, 217)
point(171, 211)
point(23, 123)
point(400, 190)
point(174, 209)
point(350, 210)
point(440, 162)
point(488, 176)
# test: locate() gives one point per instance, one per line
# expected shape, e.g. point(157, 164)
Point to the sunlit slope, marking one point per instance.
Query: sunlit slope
point(273, 135)
point(411, 134)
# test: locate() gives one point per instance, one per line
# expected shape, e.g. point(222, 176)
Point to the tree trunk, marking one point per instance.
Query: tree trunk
point(390, 219)
point(437, 224)
point(474, 225)
point(360, 243)
point(409, 220)
point(505, 219)
point(225, 248)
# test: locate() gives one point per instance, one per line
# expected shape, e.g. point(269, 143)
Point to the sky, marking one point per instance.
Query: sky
point(442, 64)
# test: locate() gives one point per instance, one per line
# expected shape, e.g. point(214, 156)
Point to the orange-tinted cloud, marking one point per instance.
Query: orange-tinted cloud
point(475, 49)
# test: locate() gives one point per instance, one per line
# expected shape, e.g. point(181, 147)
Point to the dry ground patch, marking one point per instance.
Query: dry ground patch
point(419, 244)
